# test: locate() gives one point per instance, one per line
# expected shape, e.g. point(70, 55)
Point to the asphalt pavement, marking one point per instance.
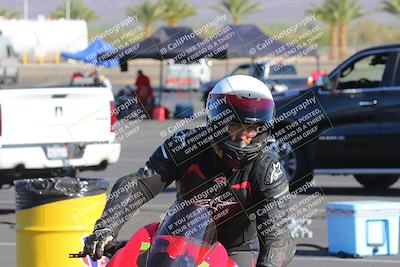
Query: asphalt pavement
point(137, 147)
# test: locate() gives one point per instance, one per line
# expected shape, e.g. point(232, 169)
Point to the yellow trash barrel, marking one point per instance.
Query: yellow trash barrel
point(53, 216)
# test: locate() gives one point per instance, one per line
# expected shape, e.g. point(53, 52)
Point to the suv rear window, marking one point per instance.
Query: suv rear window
point(242, 70)
point(282, 69)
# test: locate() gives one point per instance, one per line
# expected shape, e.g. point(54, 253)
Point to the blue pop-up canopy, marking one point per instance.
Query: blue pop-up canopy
point(90, 54)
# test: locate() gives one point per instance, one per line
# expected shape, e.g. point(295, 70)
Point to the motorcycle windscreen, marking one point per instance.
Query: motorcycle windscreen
point(185, 236)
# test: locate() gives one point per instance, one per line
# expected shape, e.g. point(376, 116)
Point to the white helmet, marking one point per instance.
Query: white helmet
point(243, 99)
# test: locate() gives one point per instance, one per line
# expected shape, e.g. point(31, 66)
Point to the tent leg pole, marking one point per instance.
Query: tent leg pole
point(161, 84)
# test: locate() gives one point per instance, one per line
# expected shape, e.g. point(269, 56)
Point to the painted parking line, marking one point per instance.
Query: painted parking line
point(8, 244)
point(345, 260)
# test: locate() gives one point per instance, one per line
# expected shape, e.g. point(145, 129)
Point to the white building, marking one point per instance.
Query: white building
point(45, 37)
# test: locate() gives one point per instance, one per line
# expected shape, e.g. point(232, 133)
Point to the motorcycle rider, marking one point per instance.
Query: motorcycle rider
point(233, 144)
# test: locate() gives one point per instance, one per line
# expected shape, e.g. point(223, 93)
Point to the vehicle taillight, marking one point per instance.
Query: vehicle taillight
point(77, 75)
point(310, 81)
point(113, 116)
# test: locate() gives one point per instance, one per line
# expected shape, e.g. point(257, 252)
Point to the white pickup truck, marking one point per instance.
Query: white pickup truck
point(56, 131)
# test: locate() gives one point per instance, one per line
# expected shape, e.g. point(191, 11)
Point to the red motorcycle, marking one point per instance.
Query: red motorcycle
point(186, 237)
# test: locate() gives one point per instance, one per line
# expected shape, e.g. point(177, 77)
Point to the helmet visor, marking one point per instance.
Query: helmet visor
point(240, 109)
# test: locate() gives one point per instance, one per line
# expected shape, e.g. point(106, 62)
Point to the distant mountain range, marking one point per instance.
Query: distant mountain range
point(274, 11)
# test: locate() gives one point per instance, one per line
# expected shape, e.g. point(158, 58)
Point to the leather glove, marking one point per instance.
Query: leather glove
point(95, 243)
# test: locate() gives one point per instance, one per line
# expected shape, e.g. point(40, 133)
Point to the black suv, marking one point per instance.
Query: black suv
point(348, 123)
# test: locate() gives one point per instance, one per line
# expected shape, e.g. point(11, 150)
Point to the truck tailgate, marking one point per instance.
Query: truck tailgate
point(56, 115)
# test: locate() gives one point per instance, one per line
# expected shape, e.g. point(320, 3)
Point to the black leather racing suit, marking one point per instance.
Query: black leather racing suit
point(255, 197)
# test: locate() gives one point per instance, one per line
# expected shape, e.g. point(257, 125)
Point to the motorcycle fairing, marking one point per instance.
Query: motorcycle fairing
point(128, 256)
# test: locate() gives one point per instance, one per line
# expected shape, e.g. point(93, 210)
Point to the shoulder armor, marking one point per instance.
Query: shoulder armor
point(271, 175)
point(186, 144)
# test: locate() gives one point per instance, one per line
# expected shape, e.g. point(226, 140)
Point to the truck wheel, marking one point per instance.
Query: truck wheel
point(71, 172)
point(376, 181)
point(74, 173)
point(298, 170)
point(6, 180)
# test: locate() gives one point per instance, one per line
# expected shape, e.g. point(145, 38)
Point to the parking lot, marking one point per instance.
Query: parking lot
point(138, 147)
point(92, 90)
